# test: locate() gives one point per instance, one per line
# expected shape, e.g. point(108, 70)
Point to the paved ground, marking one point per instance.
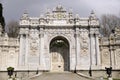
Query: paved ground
point(59, 76)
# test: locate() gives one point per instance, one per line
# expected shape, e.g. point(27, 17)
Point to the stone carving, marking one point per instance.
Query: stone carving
point(118, 53)
point(84, 43)
point(34, 43)
point(11, 55)
point(117, 31)
point(118, 56)
point(105, 57)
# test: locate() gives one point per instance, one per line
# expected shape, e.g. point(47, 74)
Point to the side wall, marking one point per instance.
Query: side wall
point(110, 53)
point(9, 50)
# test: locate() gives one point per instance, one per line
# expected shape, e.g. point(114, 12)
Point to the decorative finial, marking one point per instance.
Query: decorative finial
point(6, 35)
point(25, 12)
point(25, 15)
point(70, 10)
point(92, 15)
point(41, 16)
point(92, 12)
point(59, 8)
point(77, 16)
point(48, 10)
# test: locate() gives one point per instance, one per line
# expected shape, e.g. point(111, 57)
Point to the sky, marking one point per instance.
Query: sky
point(13, 9)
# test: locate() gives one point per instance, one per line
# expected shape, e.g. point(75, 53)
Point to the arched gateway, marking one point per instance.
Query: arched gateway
point(59, 53)
point(59, 41)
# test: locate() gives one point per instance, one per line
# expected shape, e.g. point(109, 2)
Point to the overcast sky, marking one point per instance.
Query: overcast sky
point(13, 9)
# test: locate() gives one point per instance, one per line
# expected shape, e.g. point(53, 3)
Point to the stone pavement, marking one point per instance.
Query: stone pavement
point(59, 76)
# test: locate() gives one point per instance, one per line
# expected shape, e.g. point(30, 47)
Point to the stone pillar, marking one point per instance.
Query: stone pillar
point(27, 49)
point(110, 51)
point(21, 54)
point(77, 48)
point(39, 48)
point(113, 58)
point(42, 61)
point(92, 49)
point(97, 49)
point(47, 52)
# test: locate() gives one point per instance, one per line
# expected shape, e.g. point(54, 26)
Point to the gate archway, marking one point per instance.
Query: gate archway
point(59, 52)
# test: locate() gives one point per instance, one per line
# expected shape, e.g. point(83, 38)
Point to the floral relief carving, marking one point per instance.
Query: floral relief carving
point(34, 43)
point(118, 56)
point(105, 57)
point(84, 43)
point(118, 53)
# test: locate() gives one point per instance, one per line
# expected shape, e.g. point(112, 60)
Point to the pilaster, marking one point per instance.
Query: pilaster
point(27, 49)
point(42, 58)
point(113, 63)
point(97, 50)
point(22, 54)
point(77, 47)
point(92, 49)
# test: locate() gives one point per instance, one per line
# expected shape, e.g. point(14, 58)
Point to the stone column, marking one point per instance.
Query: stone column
point(97, 49)
point(47, 52)
point(42, 61)
point(39, 48)
point(92, 49)
point(110, 50)
point(21, 54)
point(115, 60)
point(27, 49)
point(77, 48)
point(113, 57)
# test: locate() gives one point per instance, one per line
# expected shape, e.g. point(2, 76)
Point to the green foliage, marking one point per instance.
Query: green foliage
point(10, 68)
point(116, 79)
point(13, 79)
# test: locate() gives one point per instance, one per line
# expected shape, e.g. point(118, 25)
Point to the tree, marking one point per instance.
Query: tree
point(13, 29)
point(2, 21)
point(108, 23)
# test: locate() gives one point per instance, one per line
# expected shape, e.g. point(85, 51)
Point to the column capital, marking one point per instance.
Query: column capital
point(77, 34)
point(91, 34)
point(21, 35)
point(41, 35)
point(27, 35)
point(97, 35)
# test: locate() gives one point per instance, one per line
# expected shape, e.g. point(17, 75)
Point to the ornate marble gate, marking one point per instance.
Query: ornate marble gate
point(59, 41)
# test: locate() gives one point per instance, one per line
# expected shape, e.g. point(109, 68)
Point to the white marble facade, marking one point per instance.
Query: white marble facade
point(34, 49)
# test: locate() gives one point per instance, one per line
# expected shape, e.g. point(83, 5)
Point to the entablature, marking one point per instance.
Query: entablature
point(59, 17)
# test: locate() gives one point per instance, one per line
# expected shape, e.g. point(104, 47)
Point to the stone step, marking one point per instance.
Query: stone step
point(59, 76)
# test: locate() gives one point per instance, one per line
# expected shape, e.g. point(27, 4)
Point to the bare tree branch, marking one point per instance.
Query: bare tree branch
point(109, 22)
point(13, 29)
